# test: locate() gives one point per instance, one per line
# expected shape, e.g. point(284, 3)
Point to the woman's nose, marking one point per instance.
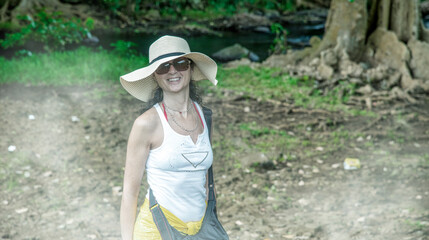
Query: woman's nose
point(172, 69)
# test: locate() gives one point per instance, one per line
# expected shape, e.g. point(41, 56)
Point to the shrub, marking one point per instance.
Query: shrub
point(124, 48)
point(50, 29)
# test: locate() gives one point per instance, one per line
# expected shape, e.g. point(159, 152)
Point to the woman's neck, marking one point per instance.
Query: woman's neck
point(177, 102)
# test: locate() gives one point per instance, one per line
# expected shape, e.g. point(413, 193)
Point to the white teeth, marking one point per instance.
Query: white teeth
point(173, 79)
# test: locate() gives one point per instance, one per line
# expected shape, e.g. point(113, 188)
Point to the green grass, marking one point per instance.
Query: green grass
point(86, 66)
point(265, 139)
point(82, 66)
point(271, 83)
point(10, 178)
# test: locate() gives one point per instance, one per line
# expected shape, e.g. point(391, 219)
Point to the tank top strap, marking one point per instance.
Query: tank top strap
point(200, 113)
point(165, 124)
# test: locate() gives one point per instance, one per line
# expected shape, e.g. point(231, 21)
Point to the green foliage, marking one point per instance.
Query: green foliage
point(279, 44)
point(338, 95)
point(340, 136)
point(207, 14)
point(255, 130)
point(196, 9)
point(50, 29)
point(124, 48)
point(82, 66)
point(261, 82)
point(265, 139)
point(272, 83)
point(114, 5)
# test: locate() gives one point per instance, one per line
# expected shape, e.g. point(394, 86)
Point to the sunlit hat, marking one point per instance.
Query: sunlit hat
point(141, 82)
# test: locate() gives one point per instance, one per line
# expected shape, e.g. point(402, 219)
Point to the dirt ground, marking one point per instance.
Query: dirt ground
point(62, 153)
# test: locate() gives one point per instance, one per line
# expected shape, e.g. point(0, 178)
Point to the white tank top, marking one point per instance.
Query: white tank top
point(176, 171)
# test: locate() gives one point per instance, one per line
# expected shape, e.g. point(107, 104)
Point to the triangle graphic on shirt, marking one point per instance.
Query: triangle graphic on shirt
point(195, 158)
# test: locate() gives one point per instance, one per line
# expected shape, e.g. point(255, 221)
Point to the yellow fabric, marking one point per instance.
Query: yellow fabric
point(145, 228)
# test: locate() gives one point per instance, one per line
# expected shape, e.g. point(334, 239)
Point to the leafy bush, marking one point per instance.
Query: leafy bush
point(51, 30)
point(279, 44)
point(124, 48)
point(189, 8)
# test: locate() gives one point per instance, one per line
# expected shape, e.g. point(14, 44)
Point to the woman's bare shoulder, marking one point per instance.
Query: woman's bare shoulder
point(148, 121)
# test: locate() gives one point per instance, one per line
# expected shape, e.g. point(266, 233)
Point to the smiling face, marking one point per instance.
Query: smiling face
point(174, 76)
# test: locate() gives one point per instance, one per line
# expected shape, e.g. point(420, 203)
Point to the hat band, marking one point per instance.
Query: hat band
point(166, 56)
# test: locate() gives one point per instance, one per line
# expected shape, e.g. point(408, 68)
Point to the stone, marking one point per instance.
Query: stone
point(420, 59)
point(400, 94)
point(263, 29)
point(350, 69)
point(315, 41)
point(279, 60)
point(253, 57)
point(329, 57)
point(406, 82)
point(389, 50)
point(425, 86)
point(356, 81)
point(394, 80)
point(314, 63)
point(376, 74)
point(325, 71)
point(234, 52)
point(414, 86)
point(249, 21)
point(366, 90)
point(237, 63)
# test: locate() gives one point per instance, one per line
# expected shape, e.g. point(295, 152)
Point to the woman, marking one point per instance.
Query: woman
point(169, 140)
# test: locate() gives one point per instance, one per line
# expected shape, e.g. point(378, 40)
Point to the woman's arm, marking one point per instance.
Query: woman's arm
point(139, 143)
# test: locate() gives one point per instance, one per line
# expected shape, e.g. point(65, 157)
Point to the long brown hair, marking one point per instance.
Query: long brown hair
point(158, 96)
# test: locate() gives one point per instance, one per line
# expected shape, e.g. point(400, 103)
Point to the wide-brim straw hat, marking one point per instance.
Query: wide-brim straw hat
point(141, 83)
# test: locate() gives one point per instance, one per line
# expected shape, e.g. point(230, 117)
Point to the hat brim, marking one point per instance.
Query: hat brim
point(141, 82)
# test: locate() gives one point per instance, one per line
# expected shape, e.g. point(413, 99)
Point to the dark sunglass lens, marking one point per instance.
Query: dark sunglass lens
point(181, 65)
point(163, 68)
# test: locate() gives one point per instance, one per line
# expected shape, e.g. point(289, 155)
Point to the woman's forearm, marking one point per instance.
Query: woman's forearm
point(128, 216)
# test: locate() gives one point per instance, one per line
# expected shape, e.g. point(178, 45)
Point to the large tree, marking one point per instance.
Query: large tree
point(356, 21)
point(382, 42)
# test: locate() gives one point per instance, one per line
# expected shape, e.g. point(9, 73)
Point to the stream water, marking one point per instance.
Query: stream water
point(257, 42)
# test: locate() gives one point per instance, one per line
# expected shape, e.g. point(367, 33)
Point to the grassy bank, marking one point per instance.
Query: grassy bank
point(82, 66)
point(86, 66)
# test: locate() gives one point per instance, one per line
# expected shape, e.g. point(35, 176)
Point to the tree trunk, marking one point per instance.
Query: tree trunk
point(388, 36)
point(405, 19)
point(346, 25)
point(13, 8)
point(352, 23)
point(386, 31)
point(29, 6)
point(3, 11)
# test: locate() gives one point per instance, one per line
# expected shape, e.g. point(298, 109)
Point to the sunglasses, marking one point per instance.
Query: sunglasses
point(181, 64)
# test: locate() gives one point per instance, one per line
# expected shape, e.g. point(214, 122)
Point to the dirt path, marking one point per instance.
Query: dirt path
point(63, 179)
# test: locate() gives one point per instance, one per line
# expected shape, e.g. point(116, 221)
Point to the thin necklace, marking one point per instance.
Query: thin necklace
point(180, 126)
point(174, 110)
